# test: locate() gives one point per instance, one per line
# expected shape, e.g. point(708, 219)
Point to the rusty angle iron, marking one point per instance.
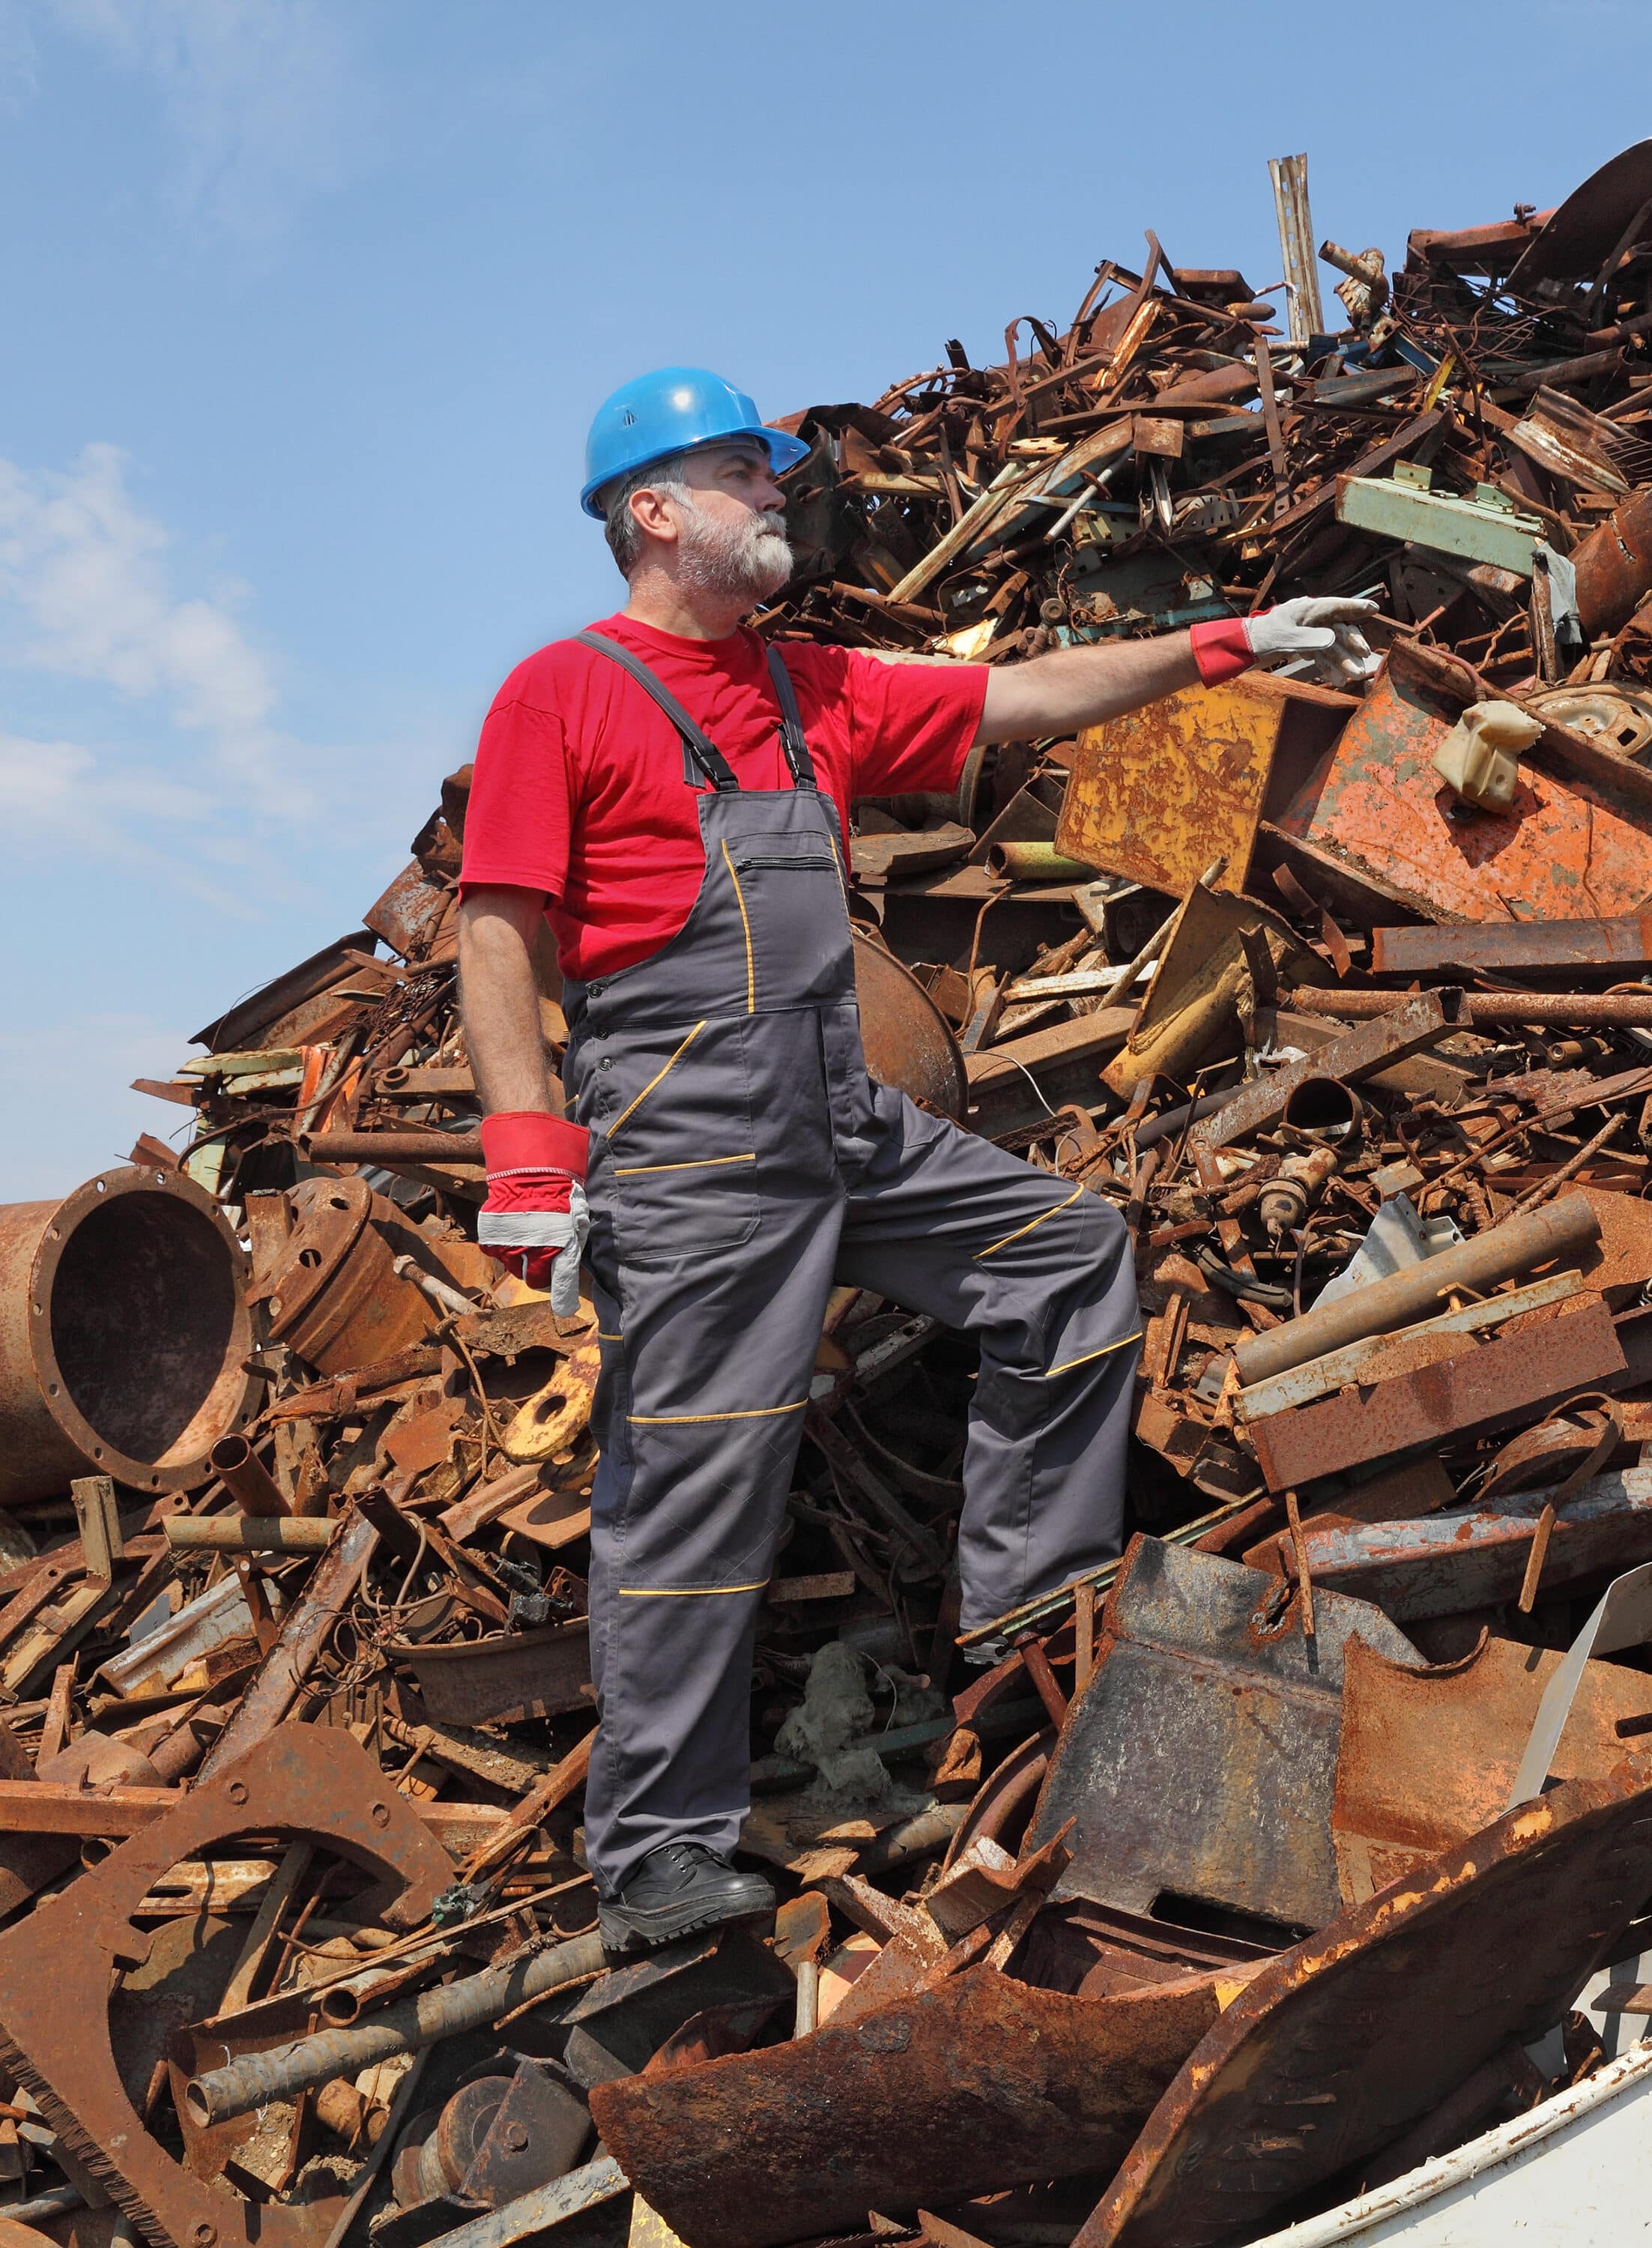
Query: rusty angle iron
point(1338, 2044)
point(977, 2083)
point(1199, 1761)
point(1479, 1387)
point(58, 1966)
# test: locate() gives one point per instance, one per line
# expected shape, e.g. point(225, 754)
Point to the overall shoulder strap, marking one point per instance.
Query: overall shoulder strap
point(704, 752)
point(791, 736)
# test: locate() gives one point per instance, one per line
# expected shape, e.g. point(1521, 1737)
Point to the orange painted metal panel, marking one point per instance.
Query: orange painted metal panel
point(1572, 848)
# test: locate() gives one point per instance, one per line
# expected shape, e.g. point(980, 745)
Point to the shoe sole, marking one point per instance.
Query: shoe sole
point(668, 1925)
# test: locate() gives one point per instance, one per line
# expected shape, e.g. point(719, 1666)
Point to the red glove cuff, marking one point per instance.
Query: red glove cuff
point(1222, 649)
point(524, 1140)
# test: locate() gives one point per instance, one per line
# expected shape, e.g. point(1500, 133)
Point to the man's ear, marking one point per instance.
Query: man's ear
point(651, 512)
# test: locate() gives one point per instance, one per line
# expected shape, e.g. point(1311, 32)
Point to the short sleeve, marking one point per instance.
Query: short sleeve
point(912, 724)
point(519, 821)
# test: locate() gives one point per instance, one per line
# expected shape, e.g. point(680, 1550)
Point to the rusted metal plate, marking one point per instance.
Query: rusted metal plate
point(1334, 2047)
point(1157, 794)
point(517, 1674)
point(1446, 1563)
point(1576, 236)
point(1198, 1763)
point(1358, 1054)
point(1484, 1386)
point(58, 1966)
point(1572, 844)
point(1624, 944)
point(1429, 1757)
point(975, 2085)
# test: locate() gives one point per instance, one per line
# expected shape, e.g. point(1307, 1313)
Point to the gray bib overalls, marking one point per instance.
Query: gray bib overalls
point(741, 1163)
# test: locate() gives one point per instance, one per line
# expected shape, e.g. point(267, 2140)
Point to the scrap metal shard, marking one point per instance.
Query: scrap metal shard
point(58, 1966)
point(1339, 2044)
point(1199, 1764)
point(1429, 1757)
point(975, 2084)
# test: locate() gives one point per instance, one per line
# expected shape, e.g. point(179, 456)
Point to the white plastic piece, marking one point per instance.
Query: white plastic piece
point(1480, 758)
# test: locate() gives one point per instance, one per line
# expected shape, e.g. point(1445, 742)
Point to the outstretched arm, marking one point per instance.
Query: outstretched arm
point(1076, 686)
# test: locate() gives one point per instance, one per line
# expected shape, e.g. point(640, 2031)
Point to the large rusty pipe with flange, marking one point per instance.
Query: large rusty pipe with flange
point(123, 1329)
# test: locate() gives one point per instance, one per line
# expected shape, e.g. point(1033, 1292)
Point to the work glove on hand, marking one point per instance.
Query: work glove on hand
point(1327, 630)
point(536, 1218)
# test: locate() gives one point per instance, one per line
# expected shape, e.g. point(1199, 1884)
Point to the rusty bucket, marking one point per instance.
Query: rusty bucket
point(123, 1329)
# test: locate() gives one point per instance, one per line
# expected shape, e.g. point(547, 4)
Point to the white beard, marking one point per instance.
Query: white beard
point(745, 561)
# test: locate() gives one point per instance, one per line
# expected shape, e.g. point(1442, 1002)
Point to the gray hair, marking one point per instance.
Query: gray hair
point(625, 540)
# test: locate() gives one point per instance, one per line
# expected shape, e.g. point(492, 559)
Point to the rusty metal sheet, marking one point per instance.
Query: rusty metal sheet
point(1199, 1761)
point(1571, 844)
point(1155, 795)
point(1579, 233)
point(1334, 2047)
point(1444, 1564)
point(57, 1969)
point(976, 2084)
point(517, 1675)
point(1203, 980)
point(1358, 1054)
point(1429, 1757)
point(1481, 1387)
point(1506, 948)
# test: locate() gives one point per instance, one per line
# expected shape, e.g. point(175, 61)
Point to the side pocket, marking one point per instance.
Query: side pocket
point(680, 1162)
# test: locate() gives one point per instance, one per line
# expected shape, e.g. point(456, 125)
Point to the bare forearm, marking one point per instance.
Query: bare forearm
point(499, 994)
point(1075, 686)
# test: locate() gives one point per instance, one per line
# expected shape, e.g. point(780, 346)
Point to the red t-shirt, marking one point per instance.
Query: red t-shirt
point(579, 789)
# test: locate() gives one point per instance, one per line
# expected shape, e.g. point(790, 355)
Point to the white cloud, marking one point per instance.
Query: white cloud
point(85, 592)
point(253, 91)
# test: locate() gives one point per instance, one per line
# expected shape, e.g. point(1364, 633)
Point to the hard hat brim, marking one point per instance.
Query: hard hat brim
point(784, 452)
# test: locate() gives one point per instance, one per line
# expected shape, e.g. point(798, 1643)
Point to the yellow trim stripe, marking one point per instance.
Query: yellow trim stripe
point(745, 920)
point(1106, 1350)
point(654, 1079)
point(688, 1592)
point(1028, 1227)
point(752, 1413)
point(702, 1163)
point(601, 1337)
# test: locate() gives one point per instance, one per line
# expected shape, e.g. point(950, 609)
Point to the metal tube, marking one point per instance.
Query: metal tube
point(249, 1533)
point(245, 1477)
point(1626, 1010)
point(1564, 1229)
point(452, 2008)
point(391, 1146)
point(1037, 863)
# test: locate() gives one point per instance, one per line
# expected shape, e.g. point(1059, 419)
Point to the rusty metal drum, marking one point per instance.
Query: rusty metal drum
point(123, 1331)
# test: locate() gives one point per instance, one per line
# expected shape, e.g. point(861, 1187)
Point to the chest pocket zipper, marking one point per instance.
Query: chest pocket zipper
point(752, 862)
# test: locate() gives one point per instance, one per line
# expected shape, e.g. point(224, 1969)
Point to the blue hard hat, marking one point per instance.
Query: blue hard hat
point(666, 411)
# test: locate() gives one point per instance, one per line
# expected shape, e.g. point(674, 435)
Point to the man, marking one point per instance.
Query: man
point(673, 801)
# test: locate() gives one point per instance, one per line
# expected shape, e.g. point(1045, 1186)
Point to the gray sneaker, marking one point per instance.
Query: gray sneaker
point(678, 1890)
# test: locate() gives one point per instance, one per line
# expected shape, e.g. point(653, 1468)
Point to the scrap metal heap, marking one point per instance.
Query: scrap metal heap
point(1292, 1848)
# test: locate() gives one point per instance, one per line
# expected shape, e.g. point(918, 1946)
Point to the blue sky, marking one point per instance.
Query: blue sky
point(307, 307)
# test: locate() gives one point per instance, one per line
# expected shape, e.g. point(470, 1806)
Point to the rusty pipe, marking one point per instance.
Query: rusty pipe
point(448, 2010)
point(123, 1330)
point(244, 1476)
point(1564, 1229)
point(249, 1533)
point(1037, 863)
point(405, 1147)
point(1481, 1011)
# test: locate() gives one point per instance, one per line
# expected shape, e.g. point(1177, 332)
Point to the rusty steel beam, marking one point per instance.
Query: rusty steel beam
point(1624, 942)
point(400, 1146)
point(1405, 1028)
point(1494, 1385)
point(1444, 1564)
point(1565, 1229)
